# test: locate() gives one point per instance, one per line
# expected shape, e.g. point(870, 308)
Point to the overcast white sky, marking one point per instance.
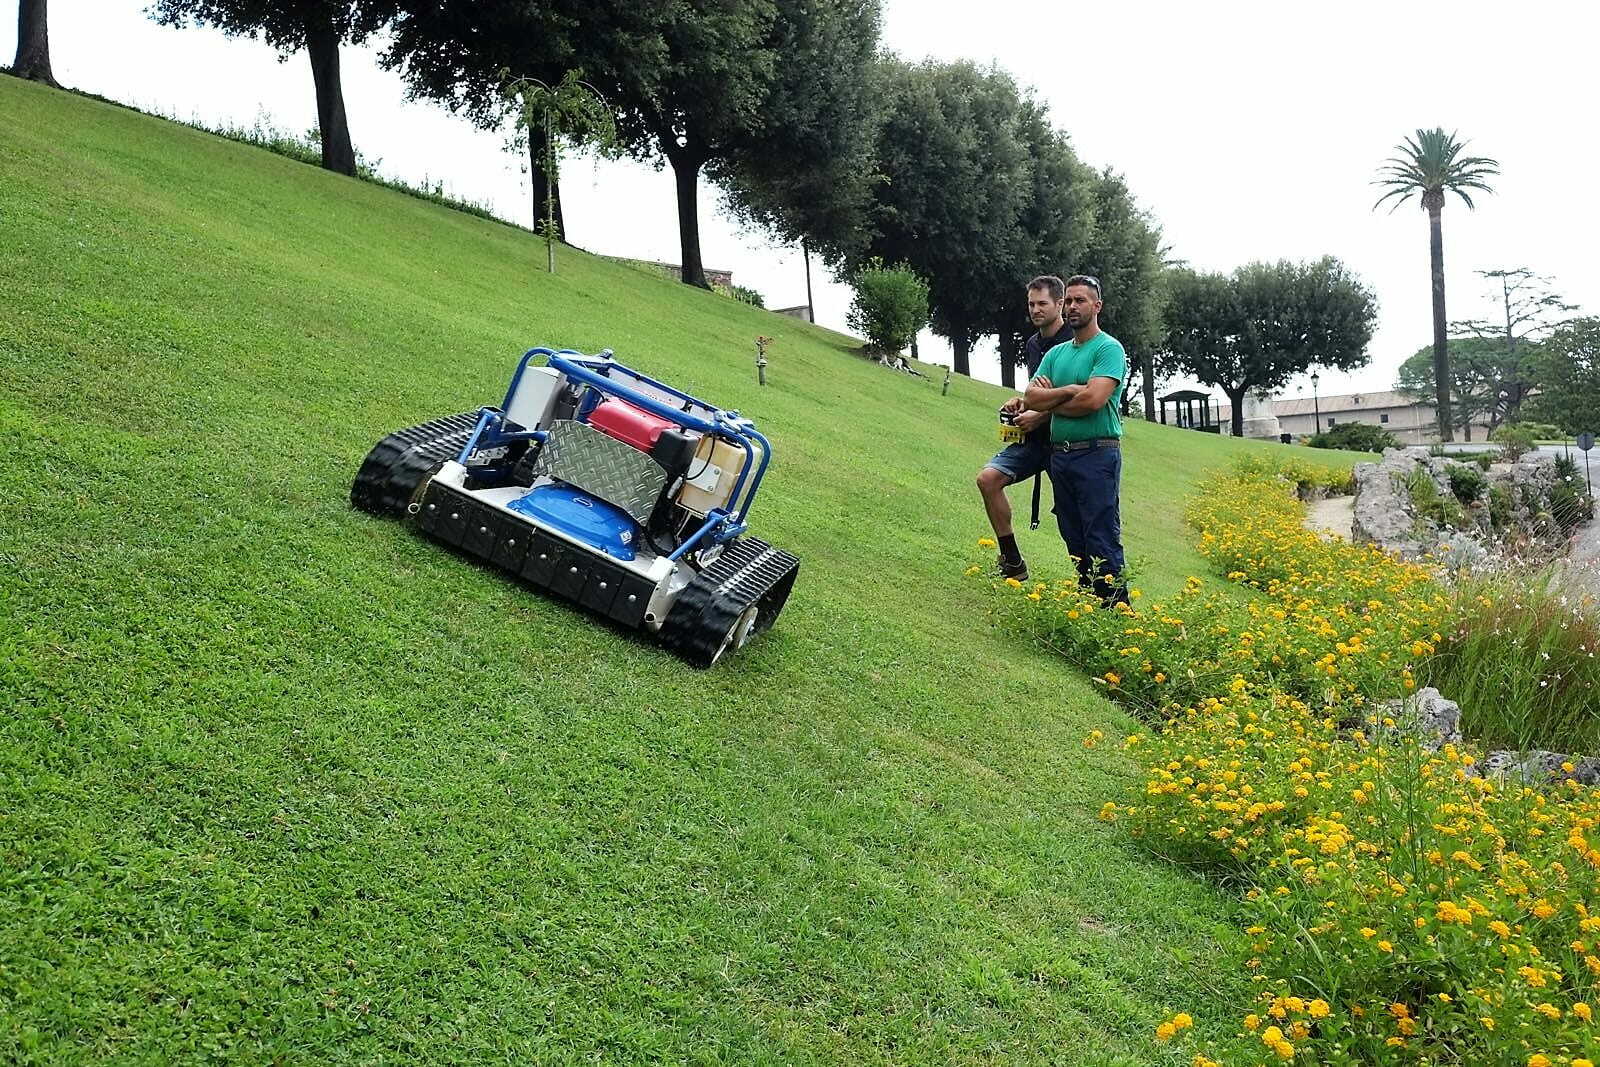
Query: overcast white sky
point(1250, 130)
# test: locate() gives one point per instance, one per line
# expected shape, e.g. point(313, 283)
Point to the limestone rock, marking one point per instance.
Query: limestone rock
point(1437, 719)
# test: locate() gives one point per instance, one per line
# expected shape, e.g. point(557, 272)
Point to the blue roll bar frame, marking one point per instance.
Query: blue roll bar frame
point(597, 372)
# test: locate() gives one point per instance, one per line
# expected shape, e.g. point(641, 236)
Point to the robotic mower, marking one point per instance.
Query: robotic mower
point(605, 487)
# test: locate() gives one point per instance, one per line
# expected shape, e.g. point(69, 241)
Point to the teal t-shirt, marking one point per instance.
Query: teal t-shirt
point(1101, 356)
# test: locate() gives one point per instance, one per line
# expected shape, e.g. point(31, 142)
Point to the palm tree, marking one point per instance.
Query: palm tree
point(1430, 165)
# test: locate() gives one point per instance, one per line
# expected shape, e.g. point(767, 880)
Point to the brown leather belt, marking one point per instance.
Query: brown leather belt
point(1085, 446)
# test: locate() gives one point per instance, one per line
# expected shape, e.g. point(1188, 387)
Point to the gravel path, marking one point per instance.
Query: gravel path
point(1335, 515)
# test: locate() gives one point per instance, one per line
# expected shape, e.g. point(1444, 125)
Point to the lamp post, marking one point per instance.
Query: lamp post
point(1316, 406)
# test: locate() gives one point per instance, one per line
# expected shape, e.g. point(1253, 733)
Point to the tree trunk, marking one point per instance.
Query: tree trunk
point(1236, 415)
point(1010, 352)
point(33, 43)
point(1127, 397)
point(1441, 343)
point(686, 169)
point(541, 186)
point(961, 351)
point(322, 45)
point(1150, 387)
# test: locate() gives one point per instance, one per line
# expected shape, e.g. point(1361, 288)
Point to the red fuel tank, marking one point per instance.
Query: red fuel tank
point(628, 424)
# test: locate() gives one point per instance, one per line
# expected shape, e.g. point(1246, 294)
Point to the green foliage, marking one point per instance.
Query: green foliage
point(1430, 504)
point(749, 296)
point(236, 708)
point(1569, 367)
point(1570, 501)
point(1266, 323)
point(1355, 437)
point(1500, 508)
point(281, 23)
point(958, 182)
point(1514, 441)
point(1521, 664)
point(890, 306)
point(1480, 370)
point(1541, 431)
point(1430, 165)
point(1468, 485)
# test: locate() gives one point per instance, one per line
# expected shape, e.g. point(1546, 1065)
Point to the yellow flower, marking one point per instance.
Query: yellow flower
point(1385, 946)
point(1284, 1050)
point(1182, 1021)
point(1013, 583)
point(1582, 1062)
point(1500, 928)
point(1165, 1031)
point(1367, 931)
point(1318, 1009)
point(1251, 1022)
point(1581, 1010)
point(986, 542)
point(973, 570)
point(1548, 1010)
point(1539, 1059)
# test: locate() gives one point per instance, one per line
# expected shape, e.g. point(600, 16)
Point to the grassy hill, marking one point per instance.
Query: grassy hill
point(280, 782)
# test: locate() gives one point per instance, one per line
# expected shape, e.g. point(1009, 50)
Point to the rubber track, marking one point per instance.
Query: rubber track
point(390, 474)
point(749, 571)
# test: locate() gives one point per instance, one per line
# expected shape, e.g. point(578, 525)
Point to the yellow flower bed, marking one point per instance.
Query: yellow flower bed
point(1402, 909)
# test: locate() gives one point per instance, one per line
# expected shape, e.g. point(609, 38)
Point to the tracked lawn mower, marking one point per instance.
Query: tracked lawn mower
point(605, 487)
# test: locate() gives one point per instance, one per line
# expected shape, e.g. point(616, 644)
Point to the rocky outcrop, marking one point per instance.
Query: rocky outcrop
point(1415, 504)
point(1436, 722)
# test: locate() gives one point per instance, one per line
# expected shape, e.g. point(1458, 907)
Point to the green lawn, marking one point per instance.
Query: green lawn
point(282, 782)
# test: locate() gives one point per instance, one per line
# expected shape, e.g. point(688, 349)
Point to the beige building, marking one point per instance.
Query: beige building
point(1412, 422)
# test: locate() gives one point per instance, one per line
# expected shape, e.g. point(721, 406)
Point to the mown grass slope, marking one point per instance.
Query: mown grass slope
point(279, 781)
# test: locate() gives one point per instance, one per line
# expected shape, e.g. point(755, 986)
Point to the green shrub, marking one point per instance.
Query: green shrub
point(1500, 506)
point(1430, 504)
point(1514, 441)
point(1467, 484)
point(1570, 501)
point(1355, 437)
point(748, 296)
point(890, 306)
point(1541, 431)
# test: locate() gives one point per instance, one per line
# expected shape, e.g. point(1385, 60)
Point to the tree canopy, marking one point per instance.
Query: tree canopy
point(1487, 383)
point(1265, 323)
point(1568, 367)
point(953, 153)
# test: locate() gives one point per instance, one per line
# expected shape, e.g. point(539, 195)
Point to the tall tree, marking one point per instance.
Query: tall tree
point(462, 54)
point(1054, 230)
point(317, 26)
point(1267, 322)
point(1526, 310)
point(1124, 253)
point(822, 111)
point(1568, 365)
point(33, 43)
point(956, 176)
point(1478, 371)
point(1428, 166)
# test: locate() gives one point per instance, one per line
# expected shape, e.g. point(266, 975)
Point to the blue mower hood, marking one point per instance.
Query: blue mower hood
point(582, 517)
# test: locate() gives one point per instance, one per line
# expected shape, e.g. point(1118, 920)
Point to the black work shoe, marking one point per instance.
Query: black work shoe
point(1017, 568)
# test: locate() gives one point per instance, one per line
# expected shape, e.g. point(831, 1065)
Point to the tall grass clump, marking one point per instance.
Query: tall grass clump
point(1521, 660)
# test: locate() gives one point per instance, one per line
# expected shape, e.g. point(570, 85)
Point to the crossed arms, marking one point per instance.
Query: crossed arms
point(1068, 400)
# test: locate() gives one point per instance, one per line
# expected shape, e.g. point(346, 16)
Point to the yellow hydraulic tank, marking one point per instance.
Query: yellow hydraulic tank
point(713, 473)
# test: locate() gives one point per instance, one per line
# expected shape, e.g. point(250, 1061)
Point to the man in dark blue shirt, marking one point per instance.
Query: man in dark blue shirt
point(1027, 458)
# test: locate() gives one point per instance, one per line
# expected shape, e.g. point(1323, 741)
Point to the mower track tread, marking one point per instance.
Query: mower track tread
point(390, 474)
point(749, 571)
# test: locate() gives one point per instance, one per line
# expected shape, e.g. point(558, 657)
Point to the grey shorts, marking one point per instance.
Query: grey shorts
point(1023, 460)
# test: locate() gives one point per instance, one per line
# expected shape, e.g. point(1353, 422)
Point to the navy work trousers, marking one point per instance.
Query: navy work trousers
point(1087, 487)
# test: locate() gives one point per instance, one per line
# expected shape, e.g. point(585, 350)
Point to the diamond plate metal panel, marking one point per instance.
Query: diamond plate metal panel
point(602, 466)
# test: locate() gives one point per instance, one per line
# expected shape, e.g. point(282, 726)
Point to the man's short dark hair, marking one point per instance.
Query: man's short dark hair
point(1051, 284)
point(1086, 280)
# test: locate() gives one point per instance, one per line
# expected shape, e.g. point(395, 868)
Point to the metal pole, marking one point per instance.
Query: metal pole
point(549, 194)
point(811, 307)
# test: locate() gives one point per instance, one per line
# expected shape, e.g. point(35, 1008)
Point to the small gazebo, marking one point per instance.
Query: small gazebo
point(1192, 410)
point(1184, 413)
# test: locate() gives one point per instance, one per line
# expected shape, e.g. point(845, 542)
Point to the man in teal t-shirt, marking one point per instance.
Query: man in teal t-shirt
point(1080, 383)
